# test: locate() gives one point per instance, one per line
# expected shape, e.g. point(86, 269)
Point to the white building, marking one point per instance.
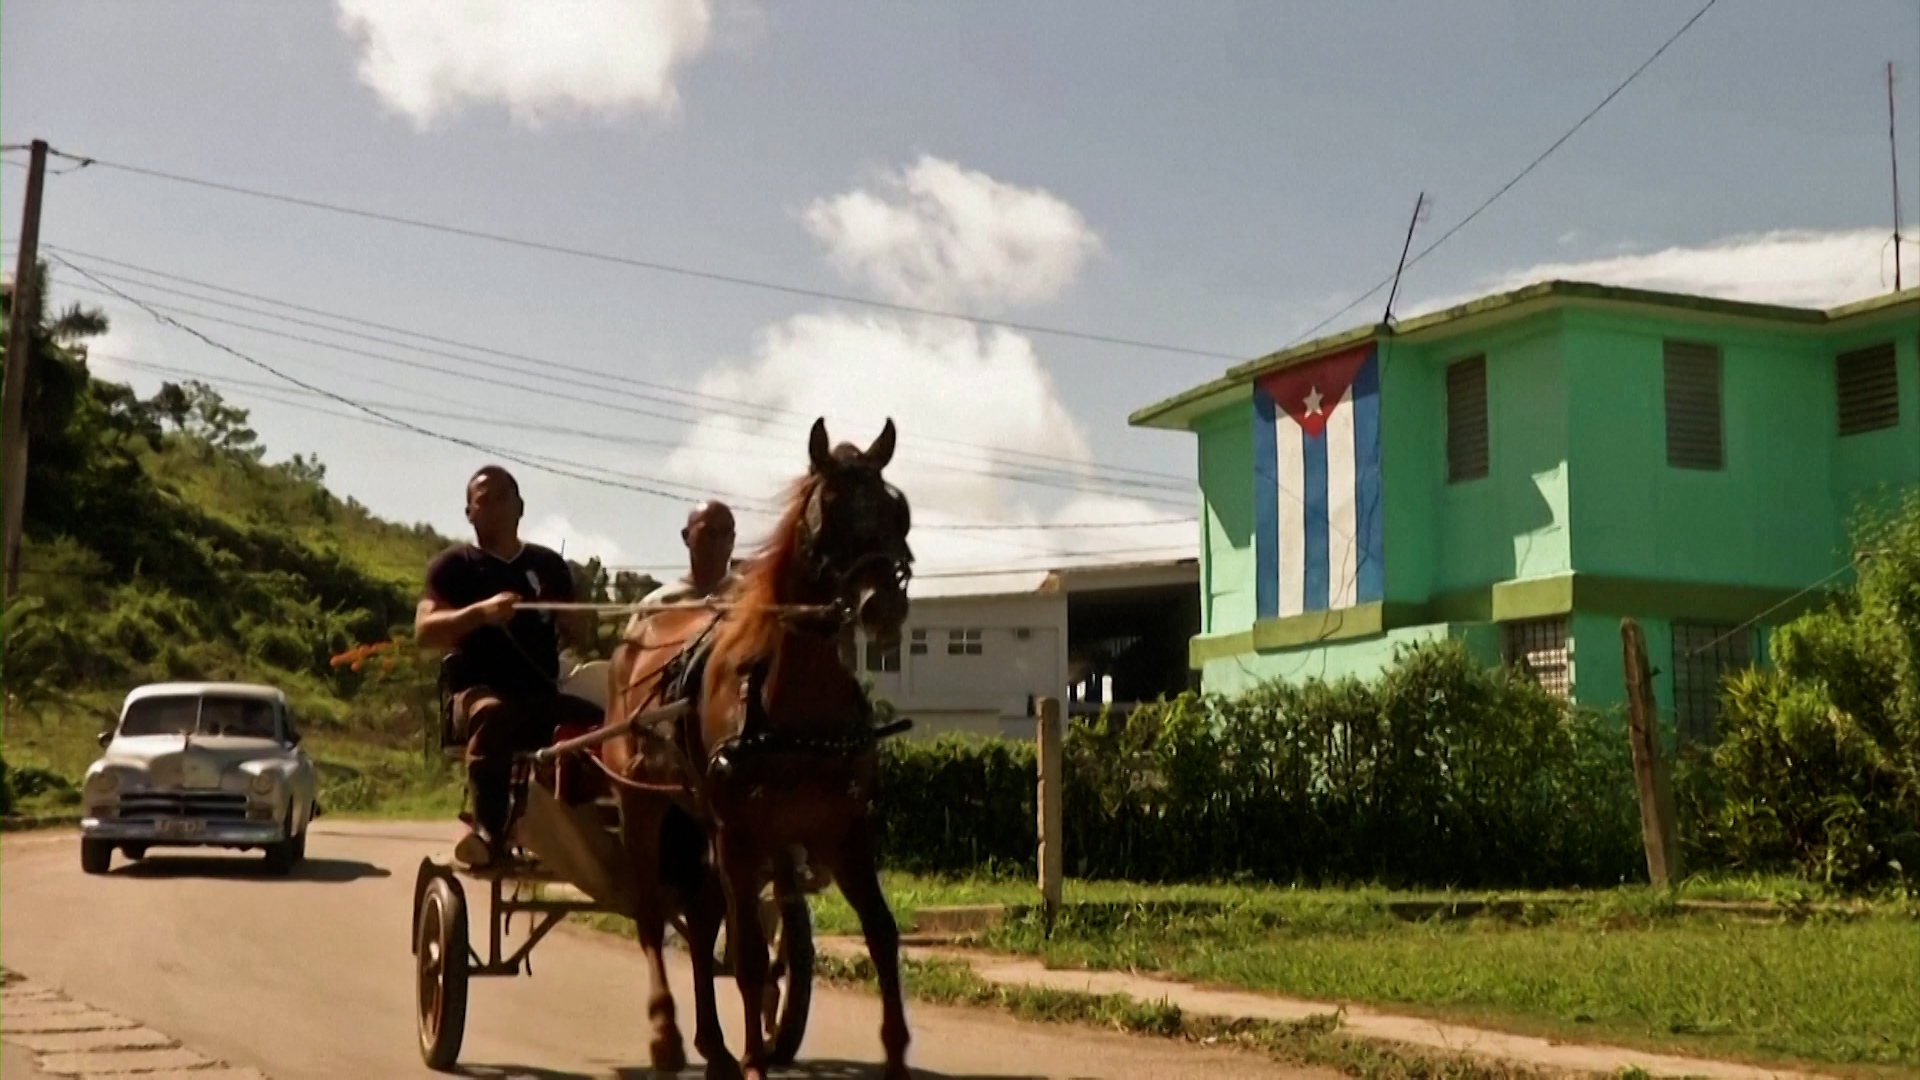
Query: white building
point(976, 653)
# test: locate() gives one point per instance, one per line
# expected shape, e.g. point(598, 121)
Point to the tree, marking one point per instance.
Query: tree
point(196, 409)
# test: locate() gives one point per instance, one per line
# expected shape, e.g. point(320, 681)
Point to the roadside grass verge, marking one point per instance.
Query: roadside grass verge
point(1837, 987)
point(1316, 1041)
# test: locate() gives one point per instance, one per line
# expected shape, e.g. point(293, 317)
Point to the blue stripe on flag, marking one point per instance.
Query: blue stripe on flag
point(1369, 511)
point(1266, 508)
point(1315, 499)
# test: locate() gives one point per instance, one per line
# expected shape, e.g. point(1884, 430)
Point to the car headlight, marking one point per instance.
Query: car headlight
point(262, 783)
point(104, 782)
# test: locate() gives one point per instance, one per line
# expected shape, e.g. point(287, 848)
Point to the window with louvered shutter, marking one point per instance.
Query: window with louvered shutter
point(1467, 419)
point(1694, 438)
point(1867, 386)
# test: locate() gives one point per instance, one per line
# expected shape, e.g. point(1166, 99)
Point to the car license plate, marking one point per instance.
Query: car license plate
point(177, 830)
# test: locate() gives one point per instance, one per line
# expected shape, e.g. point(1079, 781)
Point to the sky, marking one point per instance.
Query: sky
point(1217, 177)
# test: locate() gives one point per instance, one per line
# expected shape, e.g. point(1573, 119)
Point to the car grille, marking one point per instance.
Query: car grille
point(183, 804)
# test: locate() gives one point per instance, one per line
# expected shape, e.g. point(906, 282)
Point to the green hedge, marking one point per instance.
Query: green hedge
point(1441, 773)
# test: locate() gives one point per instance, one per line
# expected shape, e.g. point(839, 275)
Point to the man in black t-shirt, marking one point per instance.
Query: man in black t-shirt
point(504, 664)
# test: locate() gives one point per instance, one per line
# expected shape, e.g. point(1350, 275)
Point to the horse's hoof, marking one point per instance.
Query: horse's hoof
point(669, 1054)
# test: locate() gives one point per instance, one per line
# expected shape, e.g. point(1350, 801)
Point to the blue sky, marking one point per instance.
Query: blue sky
point(1215, 175)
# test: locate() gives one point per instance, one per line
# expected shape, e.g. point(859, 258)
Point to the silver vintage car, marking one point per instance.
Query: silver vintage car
point(199, 765)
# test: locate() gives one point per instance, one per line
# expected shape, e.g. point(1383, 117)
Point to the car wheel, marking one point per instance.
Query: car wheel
point(282, 857)
point(96, 856)
point(135, 851)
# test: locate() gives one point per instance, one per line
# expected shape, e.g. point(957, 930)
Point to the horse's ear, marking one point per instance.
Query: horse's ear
point(881, 451)
point(817, 449)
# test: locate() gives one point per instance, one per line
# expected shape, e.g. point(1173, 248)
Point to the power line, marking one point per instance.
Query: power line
point(417, 429)
point(271, 390)
point(1038, 476)
point(636, 263)
point(545, 363)
point(1508, 186)
point(1035, 474)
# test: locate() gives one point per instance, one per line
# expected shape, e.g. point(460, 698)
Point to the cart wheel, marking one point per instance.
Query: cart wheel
point(789, 982)
point(440, 951)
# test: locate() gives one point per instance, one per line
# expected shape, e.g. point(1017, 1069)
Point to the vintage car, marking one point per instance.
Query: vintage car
point(199, 765)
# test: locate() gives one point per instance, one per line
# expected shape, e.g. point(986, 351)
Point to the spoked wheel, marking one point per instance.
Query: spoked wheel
point(440, 961)
point(789, 990)
point(788, 925)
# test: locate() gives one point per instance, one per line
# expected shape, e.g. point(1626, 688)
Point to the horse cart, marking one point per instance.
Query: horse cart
point(566, 859)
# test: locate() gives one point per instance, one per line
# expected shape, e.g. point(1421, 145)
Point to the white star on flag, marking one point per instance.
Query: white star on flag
point(1313, 400)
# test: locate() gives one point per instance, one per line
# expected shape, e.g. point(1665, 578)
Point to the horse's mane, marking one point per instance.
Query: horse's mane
point(753, 627)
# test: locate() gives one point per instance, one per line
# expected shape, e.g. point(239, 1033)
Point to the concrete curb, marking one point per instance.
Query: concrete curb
point(1356, 1021)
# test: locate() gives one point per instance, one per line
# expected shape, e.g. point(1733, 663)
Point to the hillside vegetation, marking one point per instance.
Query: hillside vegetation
point(161, 544)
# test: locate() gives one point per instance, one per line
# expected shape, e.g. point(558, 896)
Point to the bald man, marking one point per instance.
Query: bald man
point(709, 538)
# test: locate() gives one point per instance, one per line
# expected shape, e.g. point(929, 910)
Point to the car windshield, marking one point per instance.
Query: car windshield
point(192, 714)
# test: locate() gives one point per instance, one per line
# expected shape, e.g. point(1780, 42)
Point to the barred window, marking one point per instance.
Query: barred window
point(1539, 647)
point(1703, 655)
point(917, 643)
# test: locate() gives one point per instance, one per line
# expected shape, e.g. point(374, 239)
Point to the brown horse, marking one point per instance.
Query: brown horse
point(778, 759)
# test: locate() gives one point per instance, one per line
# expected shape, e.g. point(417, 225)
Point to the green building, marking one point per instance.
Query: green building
point(1523, 470)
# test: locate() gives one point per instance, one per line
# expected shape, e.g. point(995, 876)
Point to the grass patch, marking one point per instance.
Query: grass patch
point(1629, 966)
point(1317, 1041)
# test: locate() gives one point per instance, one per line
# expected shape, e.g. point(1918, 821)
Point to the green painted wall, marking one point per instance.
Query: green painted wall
point(1226, 490)
point(1511, 524)
point(1765, 519)
point(1579, 482)
point(1362, 658)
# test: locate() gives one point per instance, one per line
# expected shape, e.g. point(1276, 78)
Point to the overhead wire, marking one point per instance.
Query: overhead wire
point(759, 506)
point(633, 262)
point(1034, 475)
point(1517, 177)
point(728, 402)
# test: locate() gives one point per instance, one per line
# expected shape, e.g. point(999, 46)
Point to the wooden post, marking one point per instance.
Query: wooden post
point(1658, 828)
point(1051, 822)
point(13, 409)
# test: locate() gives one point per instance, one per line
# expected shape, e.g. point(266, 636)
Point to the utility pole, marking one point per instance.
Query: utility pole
point(13, 409)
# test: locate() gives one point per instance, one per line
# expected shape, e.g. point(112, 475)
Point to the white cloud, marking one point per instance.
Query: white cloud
point(538, 58)
point(557, 531)
point(972, 405)
point(1799, 267)
point(939, 235)
point(941, 383)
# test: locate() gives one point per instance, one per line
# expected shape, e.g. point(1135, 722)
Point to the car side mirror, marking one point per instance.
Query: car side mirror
point(293, 738)
point(105, 738)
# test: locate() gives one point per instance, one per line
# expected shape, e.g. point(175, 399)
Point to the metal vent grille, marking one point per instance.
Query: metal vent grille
point(1867, 386)
point(1467, 419)
point(1694, 438)
point(1703, 654)
point(1539, 648)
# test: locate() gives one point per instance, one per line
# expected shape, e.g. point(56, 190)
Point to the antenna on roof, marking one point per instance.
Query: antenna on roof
point(1895, 155)
point(1420, 208)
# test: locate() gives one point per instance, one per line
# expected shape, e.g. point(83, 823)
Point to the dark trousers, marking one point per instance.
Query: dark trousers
point(500, 725)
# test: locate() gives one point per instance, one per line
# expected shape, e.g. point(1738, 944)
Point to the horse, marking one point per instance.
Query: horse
point(777, 762)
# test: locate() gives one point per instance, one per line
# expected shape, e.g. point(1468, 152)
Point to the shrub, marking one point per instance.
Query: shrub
point(1442, 772)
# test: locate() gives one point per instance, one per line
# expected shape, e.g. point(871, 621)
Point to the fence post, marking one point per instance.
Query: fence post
point(1658, 829)
point(1051, 822)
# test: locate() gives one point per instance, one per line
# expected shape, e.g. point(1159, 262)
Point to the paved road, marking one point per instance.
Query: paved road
point(311, 976)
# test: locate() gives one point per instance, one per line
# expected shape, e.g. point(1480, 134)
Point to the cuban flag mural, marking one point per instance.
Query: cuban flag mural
point(1318, 536)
